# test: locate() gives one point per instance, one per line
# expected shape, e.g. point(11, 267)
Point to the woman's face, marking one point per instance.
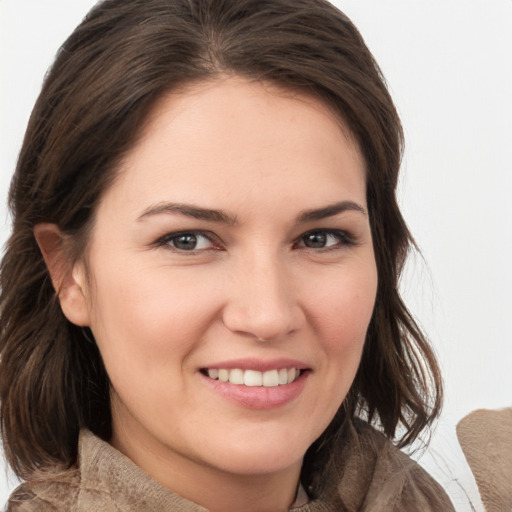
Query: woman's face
point(235, 244)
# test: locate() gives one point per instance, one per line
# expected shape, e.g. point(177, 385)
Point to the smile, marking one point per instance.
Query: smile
point(254, 378)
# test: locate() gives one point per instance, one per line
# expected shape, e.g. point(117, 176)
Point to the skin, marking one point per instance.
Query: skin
point(160, 314)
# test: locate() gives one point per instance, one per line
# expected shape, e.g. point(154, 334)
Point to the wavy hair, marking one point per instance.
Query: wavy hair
point(121, 59)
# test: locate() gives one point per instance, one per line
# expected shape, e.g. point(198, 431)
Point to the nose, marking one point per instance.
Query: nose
point(263, 301)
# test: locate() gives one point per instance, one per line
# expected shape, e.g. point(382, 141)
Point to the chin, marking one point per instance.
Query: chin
point(253, 458)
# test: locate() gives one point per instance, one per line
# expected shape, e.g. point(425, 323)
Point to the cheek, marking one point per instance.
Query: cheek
point(339, 313)
point(342, 309)
point(147, 317)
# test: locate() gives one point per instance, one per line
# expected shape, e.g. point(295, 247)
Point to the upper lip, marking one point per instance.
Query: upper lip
point(258, 364)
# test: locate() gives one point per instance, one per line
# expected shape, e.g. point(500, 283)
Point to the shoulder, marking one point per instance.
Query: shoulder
point(103, 479)
point(398, 482)
point(368, 473)
point(52, 493)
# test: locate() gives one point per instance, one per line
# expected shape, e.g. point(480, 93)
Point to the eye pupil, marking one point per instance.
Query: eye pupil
point(185, 242)
point(315, 240)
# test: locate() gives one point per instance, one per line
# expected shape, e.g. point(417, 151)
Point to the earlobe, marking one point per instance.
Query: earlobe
point(68, 278)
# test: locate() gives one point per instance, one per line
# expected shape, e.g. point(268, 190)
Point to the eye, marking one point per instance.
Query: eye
point(188, 241)
point(324, 239)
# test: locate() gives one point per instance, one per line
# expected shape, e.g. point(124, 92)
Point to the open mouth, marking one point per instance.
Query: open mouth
point(254, 378)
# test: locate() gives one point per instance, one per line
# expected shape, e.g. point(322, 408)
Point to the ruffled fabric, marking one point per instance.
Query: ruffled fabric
point(364, 473)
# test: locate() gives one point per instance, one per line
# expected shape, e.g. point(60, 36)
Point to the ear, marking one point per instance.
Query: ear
point(68, 279)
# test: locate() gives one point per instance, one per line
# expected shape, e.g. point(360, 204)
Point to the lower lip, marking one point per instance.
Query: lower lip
point(258, 397)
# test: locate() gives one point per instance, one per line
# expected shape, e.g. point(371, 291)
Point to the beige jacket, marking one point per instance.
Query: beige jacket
point(366, 473)
point(485, 437)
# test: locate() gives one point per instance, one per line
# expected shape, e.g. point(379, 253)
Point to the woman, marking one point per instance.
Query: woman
point(199, 297)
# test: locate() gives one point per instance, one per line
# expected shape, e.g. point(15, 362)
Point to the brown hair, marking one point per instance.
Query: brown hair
point(107, 75)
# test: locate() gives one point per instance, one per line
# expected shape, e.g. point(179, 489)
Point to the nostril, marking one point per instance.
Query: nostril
point(263, 324)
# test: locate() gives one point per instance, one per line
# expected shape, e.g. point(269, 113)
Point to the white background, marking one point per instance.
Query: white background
point(449, 67)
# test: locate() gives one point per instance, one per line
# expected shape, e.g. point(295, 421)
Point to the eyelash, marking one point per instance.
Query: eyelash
point(167, 240)
point(344, 239)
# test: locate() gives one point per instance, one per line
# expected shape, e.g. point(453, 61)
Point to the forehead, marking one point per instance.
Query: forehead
point(238, 138)
point(218, 96)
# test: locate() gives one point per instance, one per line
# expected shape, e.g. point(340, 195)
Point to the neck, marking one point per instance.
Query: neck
point(218, 491)
point(250, 493)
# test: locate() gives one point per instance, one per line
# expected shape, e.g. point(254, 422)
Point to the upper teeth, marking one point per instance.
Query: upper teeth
point(270, 378)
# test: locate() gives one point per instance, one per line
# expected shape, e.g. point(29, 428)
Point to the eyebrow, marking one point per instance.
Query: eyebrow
point(330, 211)
point(219, 216)
point(188, 210)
